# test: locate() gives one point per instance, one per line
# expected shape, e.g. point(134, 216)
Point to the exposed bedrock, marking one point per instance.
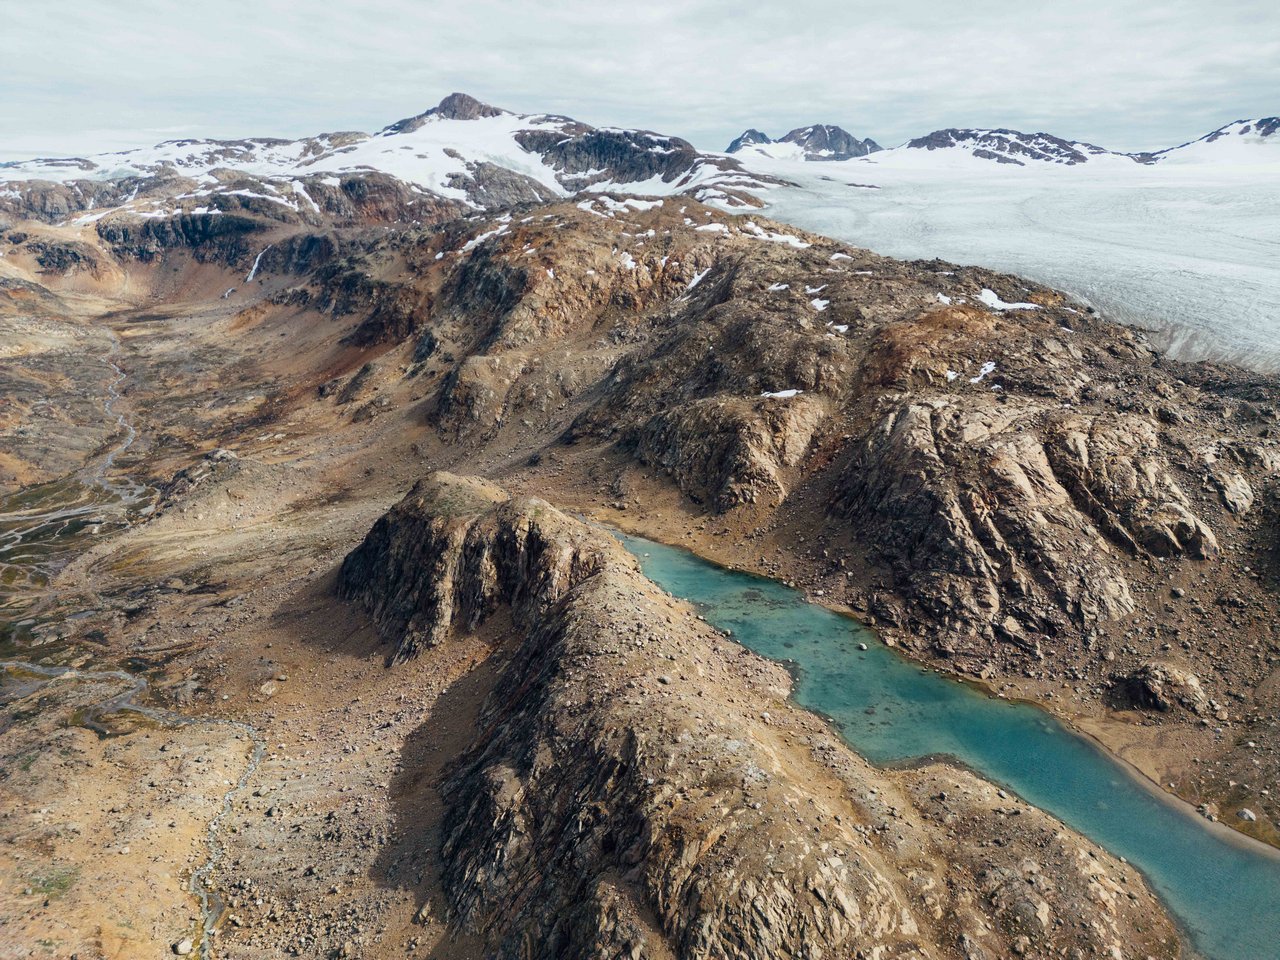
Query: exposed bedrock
point(640, 786)
point(1010, 467)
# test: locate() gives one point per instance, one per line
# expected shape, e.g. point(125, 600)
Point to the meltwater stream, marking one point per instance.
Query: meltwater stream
point(1223, 888)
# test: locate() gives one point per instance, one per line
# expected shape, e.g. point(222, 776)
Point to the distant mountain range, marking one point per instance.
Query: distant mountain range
point(825, 142)
point(464, 155)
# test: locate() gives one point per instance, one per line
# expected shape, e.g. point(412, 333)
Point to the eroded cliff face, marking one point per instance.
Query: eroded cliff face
point(640, 786)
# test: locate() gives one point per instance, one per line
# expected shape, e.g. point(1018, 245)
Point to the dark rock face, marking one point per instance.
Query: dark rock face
point(1161, 686)
point(820, 141)
point(379, 198)
point(628, 794)
point(456, 106)
point(1009, 146)
point(456, 569)
point(49, 202)
point(724, 454)
point(389, 311)
point(625, 155)
point(825, 142)
point(223, 238)
point(746, 139)
point(58, 256)
point(1267, 126)
point(494, 187)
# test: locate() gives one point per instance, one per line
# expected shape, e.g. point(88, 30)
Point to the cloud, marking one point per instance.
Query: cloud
point(86, 74)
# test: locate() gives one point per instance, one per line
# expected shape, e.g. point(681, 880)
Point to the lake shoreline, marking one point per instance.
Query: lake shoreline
point(1101, 730)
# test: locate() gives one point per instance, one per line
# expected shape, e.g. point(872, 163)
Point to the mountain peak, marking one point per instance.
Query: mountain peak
point(824, 141)
point(462, 106)
point(748, 138)
point(456, 106)
point(1014, 147)
point(818, 141)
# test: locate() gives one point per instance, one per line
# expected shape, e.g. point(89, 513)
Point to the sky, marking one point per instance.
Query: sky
point(78, 76)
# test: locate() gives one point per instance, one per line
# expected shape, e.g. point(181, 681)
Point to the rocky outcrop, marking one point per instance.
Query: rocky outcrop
point(748, 138)
point(444, 555)
point(639, 787)
point(1162, 686)
point(589, 156)
point(456, 106)
point(1002, 470)
point(224, 239)
point(728, 452)
point(1012, 528)
point(63, 257)
point(51, 202)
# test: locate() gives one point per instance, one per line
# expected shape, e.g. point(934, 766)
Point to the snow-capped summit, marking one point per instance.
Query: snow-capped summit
point(1009, 146)
point(748, 138)
point(819, 141)
point(462, 150)
point(1239, 142)
point(456, 106)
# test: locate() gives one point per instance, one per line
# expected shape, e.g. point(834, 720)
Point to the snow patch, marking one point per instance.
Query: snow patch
point(990, 298)
point(988, 368)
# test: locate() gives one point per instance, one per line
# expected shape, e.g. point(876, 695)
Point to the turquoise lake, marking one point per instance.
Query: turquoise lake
point(1224, 891)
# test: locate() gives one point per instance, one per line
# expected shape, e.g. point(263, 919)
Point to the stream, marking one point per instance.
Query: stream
point(1222, 887)
point(44, 527)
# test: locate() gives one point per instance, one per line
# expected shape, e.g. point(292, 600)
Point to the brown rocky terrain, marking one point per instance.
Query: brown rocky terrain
point(560, 753)
point(626, 796)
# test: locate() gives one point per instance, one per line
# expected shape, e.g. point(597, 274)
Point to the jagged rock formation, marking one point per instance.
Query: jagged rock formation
point(821, 141)
point(640, 788)
point(456, 106)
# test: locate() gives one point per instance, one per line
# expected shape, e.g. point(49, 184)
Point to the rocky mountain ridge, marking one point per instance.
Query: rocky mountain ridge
point(1010, 146)
point(816, 142)
point(627, 798)
point(465, 154)
point(461, 152)
point(1005, 146)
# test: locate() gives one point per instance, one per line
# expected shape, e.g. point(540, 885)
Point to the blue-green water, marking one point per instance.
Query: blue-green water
point(1224, 890)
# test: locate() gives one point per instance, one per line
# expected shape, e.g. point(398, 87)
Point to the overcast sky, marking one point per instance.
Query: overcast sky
point(79, 75)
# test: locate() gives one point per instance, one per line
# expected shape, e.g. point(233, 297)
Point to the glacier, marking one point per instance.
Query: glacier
point(1188, 249)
